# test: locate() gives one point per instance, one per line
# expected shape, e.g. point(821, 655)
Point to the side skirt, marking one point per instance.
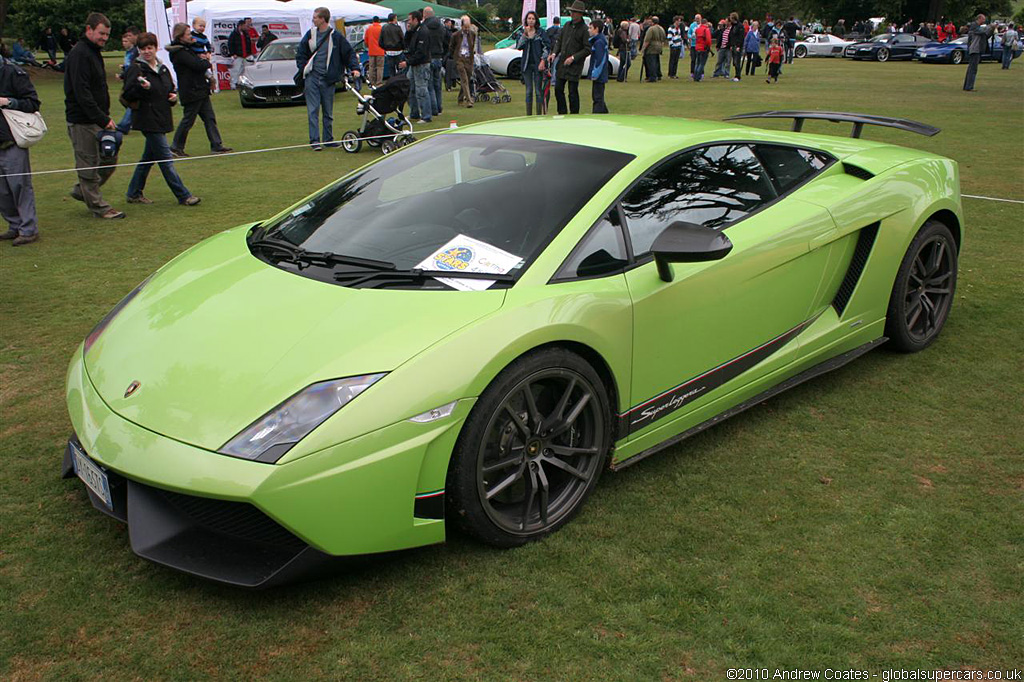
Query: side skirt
point(817, 370)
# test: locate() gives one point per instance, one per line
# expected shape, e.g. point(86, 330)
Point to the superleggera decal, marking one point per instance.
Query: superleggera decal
point(668, 402)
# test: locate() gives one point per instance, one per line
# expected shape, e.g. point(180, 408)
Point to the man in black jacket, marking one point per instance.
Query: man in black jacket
point(572, 48)
point(17, 199)
point(193, 91)
point(240, 46)
point(392, 41)
point(417, 58)
point(87, 110)
point(437, 42)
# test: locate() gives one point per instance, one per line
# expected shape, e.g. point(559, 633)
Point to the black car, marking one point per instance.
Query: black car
point(887, 46)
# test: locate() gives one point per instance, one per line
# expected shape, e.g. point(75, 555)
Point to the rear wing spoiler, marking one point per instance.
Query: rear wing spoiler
point(858, 120)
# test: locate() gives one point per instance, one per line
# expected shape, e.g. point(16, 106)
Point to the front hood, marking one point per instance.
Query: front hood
point(217, 338)
point(278, 72)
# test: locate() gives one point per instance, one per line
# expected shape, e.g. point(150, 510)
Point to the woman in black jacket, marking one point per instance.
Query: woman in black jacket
point(193, 90)
point(149, 90)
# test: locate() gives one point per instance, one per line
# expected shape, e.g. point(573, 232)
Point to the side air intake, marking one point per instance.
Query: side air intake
point(857, 171)
point(865, 240)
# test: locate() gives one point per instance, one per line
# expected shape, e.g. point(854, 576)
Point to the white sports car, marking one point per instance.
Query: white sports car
point(505, 62)
point(821, 45)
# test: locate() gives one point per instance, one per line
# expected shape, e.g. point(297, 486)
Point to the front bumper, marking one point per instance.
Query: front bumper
point(253, 524)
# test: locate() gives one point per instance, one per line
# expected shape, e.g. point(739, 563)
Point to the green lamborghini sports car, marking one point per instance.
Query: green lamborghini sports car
point(470, 330)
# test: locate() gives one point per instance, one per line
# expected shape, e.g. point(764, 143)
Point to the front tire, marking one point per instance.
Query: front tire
point(923, 292)
point(800, 52)
point(515, 69)
point(957, 57)
point(883, 54)
point(532, 450)
point(350, 142)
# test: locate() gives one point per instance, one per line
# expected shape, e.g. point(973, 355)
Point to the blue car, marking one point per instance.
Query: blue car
point(955, 51)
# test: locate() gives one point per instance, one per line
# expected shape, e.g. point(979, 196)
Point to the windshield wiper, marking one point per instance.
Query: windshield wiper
point(299, 255)
point(352, 278)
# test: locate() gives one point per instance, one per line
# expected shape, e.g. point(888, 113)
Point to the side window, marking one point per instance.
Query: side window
point(789, 166)
point(712, 186)
point(601, 252)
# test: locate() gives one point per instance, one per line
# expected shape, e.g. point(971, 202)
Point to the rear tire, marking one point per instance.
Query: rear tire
point(531, 451)
point(924, 289)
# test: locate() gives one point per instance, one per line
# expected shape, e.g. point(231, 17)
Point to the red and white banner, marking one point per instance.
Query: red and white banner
point(528, 6)
point(179, 15)
point(554, 10)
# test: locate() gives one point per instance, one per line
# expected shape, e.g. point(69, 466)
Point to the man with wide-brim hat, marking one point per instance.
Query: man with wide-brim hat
point(571, 49)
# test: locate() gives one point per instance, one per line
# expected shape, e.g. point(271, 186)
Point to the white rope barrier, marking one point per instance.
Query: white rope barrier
point(1008, 201)
point(310, 146)
point(335, 143)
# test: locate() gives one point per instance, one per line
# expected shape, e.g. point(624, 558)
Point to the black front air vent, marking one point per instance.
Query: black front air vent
point(865, 240)
point(233, 519)
point(857, 171)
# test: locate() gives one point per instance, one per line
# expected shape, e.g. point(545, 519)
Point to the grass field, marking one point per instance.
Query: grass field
point(872, 518)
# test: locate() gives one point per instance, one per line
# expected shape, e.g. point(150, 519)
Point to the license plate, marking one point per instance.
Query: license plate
point(92, 476)
point(279, 98)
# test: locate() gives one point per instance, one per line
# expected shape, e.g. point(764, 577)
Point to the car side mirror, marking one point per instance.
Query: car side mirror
point(251, 59)
point(683, 242)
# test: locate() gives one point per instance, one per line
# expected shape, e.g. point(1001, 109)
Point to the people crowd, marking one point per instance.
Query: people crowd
point(434, 55)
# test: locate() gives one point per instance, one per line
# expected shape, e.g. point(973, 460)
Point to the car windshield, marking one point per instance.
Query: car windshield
point(961, 41)
point(278, 51)
point(508, 196)
point(884, 38)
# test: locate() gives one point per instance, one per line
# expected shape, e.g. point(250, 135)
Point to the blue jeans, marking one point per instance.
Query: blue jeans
point(125, 125)
point(421, 103)
point(436, 84)
point(319, 96)
point(1007, 56)
point(157, 149)
point(698, 68)
point(534, 81)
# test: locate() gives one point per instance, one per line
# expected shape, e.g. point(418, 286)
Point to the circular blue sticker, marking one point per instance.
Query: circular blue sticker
point(455, 258)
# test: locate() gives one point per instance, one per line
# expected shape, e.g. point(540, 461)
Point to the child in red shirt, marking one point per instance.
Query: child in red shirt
point(774, 61)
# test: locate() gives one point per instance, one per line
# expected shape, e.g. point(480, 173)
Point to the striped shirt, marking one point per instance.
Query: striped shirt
point(675, 37)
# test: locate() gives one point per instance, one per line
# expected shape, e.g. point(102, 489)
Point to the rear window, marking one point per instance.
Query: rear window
point(789, 166)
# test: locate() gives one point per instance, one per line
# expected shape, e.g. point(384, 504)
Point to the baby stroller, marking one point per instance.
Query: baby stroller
point(485, 86)
point(387, 132)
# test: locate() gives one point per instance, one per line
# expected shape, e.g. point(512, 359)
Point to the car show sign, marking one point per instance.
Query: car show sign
point(465, 254)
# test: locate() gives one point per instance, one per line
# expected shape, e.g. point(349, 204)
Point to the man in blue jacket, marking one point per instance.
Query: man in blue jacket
point(598, 65)
point(320, 57)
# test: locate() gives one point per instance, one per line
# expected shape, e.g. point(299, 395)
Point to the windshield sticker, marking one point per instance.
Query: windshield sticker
point(465, 254)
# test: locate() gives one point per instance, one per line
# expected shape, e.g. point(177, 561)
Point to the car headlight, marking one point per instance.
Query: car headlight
point(109, 317)
point(245, 81)
point(273, 434)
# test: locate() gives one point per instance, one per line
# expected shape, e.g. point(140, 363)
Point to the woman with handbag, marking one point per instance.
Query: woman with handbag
point(752, 49)
point(18, 102)
point(149, 90)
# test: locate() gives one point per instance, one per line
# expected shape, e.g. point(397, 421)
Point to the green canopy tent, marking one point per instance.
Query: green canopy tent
point(401, 8)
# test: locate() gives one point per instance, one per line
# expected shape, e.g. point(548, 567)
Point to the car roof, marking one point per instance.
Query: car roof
point(657, 136)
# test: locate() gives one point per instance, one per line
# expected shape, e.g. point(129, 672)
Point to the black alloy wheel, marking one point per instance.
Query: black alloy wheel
point(883, 54)
point(532, 450)
point(515, 69)
point(923, 293)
